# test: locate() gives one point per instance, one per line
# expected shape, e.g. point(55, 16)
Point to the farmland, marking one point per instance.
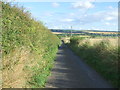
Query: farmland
point(93, 33)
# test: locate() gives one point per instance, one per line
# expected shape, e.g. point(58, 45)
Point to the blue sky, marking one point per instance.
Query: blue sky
point(81, 15)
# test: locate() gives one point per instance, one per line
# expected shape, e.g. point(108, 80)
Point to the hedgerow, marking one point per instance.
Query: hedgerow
point(28, 48)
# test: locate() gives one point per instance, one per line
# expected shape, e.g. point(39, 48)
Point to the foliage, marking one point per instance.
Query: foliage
point(20, 30)
point(101, 56)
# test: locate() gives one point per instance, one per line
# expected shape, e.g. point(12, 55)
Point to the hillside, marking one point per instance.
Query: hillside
point(28, 49)
point(85, 32)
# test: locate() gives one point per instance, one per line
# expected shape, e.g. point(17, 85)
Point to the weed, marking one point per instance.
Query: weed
point(27, 49)
point(102, 56)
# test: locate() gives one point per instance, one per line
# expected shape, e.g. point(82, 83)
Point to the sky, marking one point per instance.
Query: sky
point(81, 15)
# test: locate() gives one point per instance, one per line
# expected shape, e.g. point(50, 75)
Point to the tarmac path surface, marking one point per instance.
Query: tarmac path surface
point(70, 71)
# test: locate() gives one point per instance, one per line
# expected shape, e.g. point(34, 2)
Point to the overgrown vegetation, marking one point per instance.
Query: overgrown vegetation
point(101, 55)
point(28, 49)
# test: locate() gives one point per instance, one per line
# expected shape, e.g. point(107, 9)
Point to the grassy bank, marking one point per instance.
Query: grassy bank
point(99, 53)
point(28, 49)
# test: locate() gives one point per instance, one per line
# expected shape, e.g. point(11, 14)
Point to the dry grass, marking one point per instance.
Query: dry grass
point(17, 71)
point(83, 36)
point(0, 79)
point(97, 32)
point(66, 39)
point(99, 53)
point(112, 41)
point(14, 75)
point(58, 33)
point(27, 50)
point(17, 68)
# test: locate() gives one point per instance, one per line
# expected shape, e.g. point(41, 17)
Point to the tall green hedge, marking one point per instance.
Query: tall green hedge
point(20, 30)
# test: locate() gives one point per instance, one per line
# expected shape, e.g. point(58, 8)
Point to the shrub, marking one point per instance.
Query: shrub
point(28, 49)
point(101, 56)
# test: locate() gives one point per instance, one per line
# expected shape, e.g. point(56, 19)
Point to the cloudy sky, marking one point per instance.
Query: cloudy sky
point(80, 14)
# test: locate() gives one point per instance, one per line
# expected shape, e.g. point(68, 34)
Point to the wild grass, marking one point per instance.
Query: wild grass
point(100, 54)
point(28, 49)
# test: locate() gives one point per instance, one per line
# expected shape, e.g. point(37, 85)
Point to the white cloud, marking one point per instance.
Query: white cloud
point(114, 13)
point(72, 14)
point(102, 16)
point(98, 20)
point(107, 23)
point(67, 20)
point(83, 4)
point(55, 4)
point(111, 15)
point(109, 18)
point(110, 7)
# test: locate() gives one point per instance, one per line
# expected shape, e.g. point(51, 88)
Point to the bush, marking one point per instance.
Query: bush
point(28, 49)
point(101, 56)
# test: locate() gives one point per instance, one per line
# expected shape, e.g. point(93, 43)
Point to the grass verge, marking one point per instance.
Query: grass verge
point(101, 56)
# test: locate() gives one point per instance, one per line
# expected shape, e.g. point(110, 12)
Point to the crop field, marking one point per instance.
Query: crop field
point(112, 41)
point(99, 53)
point(85, 32)
point(102, 32)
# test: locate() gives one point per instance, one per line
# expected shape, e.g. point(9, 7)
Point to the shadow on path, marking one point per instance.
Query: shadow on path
point(71, 72)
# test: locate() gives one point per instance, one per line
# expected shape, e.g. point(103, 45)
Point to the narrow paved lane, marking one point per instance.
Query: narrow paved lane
point(71, 72)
